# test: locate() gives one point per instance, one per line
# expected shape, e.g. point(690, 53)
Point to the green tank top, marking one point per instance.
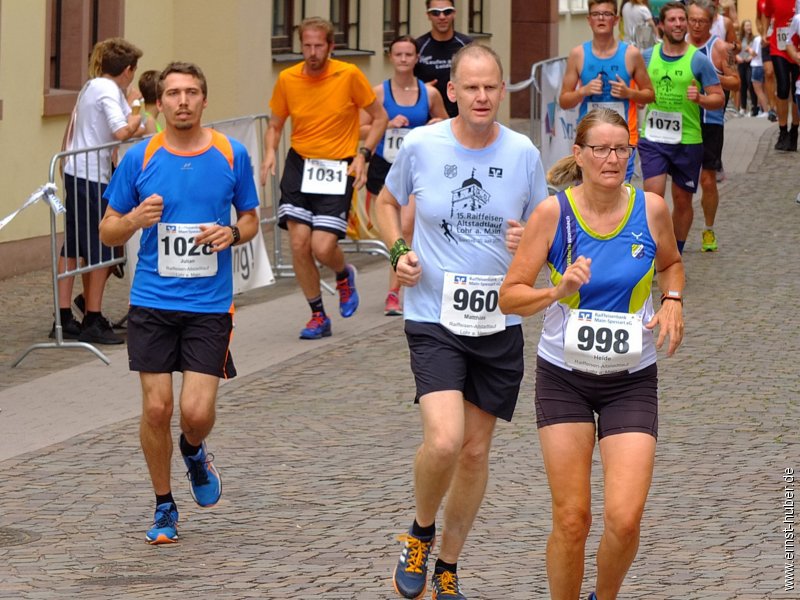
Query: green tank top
point(672, 118)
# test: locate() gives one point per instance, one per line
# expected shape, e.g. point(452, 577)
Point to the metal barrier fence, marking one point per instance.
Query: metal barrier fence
point(97, 161)
point(537, 107)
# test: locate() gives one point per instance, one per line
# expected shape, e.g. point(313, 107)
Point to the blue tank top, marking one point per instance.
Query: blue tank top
point(608, 68)
point(623, 266)
point(711, 117)
point(417, 114)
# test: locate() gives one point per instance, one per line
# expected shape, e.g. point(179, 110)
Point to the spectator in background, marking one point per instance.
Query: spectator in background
point(744, 65)
point(102, 115)
point(640, 29)
point(147, 86)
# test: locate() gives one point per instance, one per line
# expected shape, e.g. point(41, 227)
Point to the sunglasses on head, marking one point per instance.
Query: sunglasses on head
point(438, 12)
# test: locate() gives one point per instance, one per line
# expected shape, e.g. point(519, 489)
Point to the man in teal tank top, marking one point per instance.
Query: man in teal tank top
point(671, 138)
point(601, 73)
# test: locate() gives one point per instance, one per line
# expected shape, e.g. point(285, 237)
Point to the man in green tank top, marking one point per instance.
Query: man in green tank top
point(671, 141)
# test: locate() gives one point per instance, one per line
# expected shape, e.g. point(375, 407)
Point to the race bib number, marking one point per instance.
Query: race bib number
point(782, 38)
point(321, 176)
point(392, 140)
point(469, 304)
point(180, 256)
point(664, 127)
point(602, 342)
point(617, 107)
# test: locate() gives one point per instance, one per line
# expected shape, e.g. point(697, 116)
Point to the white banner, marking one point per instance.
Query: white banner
point(558, 125)
point(251, 266)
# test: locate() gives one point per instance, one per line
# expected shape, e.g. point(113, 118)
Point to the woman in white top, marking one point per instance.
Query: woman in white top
point(640, 30)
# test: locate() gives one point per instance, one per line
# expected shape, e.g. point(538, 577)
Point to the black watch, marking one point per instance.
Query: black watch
point(236, 235)
point(366, 153)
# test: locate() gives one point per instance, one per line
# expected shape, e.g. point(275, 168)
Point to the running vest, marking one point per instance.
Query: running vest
point(608, 69)
point(623, 266)
point(711, 117)
point(417, 114)
point(671, 79)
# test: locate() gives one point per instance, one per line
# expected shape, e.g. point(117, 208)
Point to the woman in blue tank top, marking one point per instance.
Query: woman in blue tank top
point(603, 242)
point(409, 104)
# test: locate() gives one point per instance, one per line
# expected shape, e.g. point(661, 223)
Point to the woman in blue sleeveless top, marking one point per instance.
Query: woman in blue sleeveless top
point(409, 104)
point(603, 242)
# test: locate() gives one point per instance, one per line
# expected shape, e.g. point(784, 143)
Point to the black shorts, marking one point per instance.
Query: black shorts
point(487, 370)
point(163, 341)
point(713, 139)
point(765, 55)
point(786, 73)
point(624, 402)
point(318, 211)
point(376, 174)
point(85, 207)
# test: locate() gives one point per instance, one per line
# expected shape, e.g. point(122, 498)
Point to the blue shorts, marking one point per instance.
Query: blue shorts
point(682, 162)
point(757, 74)
point(85, 209)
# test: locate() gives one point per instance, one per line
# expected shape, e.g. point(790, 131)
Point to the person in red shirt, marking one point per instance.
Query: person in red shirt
point(786, 70)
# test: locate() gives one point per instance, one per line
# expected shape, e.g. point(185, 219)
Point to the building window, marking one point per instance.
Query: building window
point(282, 26)
point(340, 18)
point(573, 6)
point(395, 20)
point(73, 28)
point(476, 22)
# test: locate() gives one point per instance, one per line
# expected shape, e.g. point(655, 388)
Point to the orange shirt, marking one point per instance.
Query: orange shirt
point(324, 109)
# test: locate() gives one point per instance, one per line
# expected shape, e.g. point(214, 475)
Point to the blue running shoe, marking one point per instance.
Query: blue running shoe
point(411, 573)
point(206, 483)
point(348, 296)
point(165, 525)
point(445, 587)
point(318, 327)
point(592, 596)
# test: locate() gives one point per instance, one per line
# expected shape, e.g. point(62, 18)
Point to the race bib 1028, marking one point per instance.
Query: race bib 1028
point(180, 256)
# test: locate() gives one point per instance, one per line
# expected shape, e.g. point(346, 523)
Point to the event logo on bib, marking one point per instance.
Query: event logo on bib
point(471, 221)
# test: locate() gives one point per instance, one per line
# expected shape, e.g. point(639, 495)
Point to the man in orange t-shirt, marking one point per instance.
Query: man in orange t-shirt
point(323, 166)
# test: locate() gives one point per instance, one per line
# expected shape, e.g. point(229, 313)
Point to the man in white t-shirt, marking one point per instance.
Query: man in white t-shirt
point(473, 181)
point(102, 116)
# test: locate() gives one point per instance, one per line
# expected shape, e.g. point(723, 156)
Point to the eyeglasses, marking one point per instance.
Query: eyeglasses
point(697, 22)
point(602, 15)
point(623, 152)
point(438, 12)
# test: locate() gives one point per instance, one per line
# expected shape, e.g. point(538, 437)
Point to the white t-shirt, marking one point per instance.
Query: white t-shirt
point(633, 16)
point(718, 27)
point(102, 110)
point(755, 46)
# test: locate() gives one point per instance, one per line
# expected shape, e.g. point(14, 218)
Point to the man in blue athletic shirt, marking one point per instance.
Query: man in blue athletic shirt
point(179, 188)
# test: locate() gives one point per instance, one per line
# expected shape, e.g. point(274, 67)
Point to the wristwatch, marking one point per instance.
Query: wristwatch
point(236, 235)
point(672, 295)
point(366, 153)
